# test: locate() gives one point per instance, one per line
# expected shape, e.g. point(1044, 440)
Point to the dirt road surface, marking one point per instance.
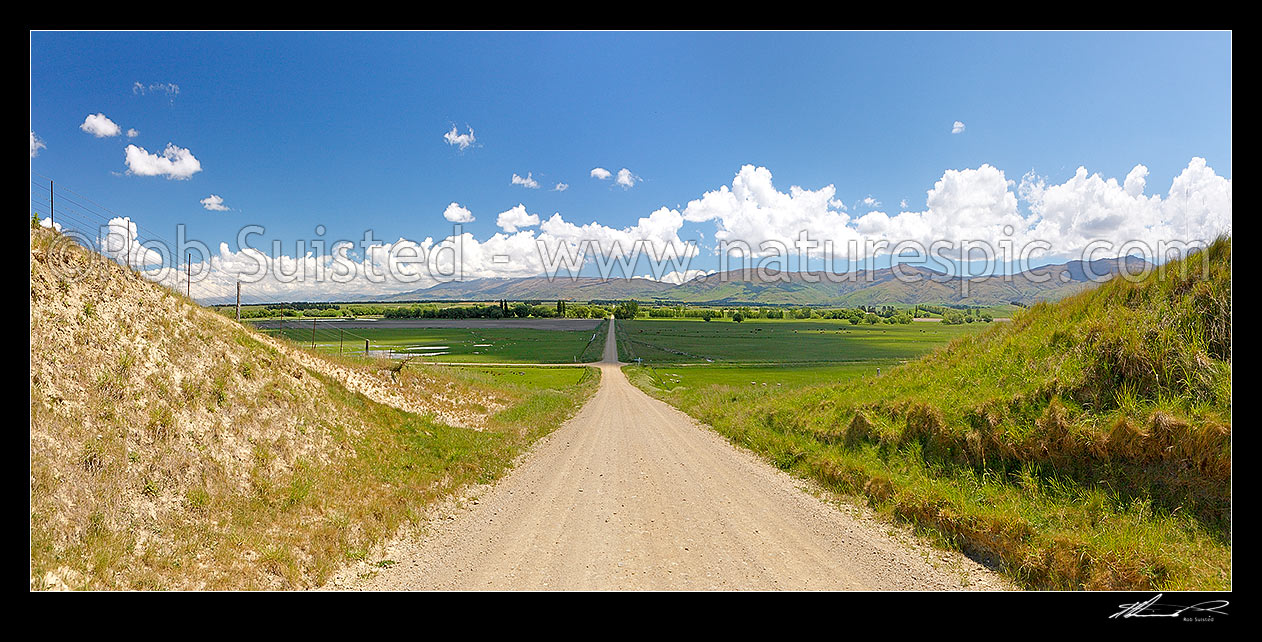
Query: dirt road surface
point(632, 494)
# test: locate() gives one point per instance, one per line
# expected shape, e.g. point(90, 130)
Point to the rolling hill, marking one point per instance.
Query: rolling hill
point(877, 287)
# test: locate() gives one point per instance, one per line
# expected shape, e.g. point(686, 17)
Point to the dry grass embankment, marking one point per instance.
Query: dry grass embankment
point(173, 448)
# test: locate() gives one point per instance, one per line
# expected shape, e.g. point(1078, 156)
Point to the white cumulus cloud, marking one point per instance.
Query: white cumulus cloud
point(118, 241)
point(964, 205)
point(753, 211)
point(601, 173)
point(1136, 180)
point(512, 220)
point(626, 179)
point(561, 187)
point(214, 203)
point(657, 235)
point(957, 127)
point(977, 204)
point(100, 126)
point(174, 163)
point(457, 214)
point(1088, 207)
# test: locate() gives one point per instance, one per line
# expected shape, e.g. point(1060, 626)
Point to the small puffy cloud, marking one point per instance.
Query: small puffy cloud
point(36, 145)
point(516, 218)
point(132, 133)
point(100, 126)
point(528, 182)
point(457, 214)
point(626, 179)
point(214, 203)
point(957, 128)
point(47, 223)
point(174, 163)
point(561, 187)
point(463, 141)
point(601, 173)
point(870, 202)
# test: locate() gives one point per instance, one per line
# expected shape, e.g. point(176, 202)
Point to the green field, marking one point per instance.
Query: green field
point(491, 345)
point(679, 378)
point(676, 341)
point(684, 357)
point(534, 379)
point(272, 311)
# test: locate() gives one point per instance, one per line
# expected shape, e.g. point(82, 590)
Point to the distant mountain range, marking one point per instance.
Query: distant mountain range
point(750, 287)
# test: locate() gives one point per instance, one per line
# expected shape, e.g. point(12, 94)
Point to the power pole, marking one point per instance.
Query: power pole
point(188, 275)
point(238, 302)
point(52, 222)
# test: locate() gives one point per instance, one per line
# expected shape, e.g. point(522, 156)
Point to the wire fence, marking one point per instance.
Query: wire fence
point(324, 335)
point(119, 238)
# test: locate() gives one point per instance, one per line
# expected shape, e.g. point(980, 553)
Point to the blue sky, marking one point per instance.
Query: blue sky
point(346, 129)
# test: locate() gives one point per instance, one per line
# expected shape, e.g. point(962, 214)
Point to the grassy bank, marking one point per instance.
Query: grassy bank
point(173, 449)
point(1087, 444)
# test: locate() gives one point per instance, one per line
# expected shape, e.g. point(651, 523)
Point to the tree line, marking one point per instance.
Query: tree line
point(629, 309)
point(499, 310)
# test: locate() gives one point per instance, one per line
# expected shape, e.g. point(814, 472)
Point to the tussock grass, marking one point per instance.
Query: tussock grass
point(173, 449)
point(1086, 444)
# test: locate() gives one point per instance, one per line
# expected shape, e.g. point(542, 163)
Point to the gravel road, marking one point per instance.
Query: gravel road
point(633, 494)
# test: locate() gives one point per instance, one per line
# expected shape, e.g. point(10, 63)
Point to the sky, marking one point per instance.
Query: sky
point(666, 137)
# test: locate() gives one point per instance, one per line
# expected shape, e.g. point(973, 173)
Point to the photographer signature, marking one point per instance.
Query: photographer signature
point(1150, 608)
